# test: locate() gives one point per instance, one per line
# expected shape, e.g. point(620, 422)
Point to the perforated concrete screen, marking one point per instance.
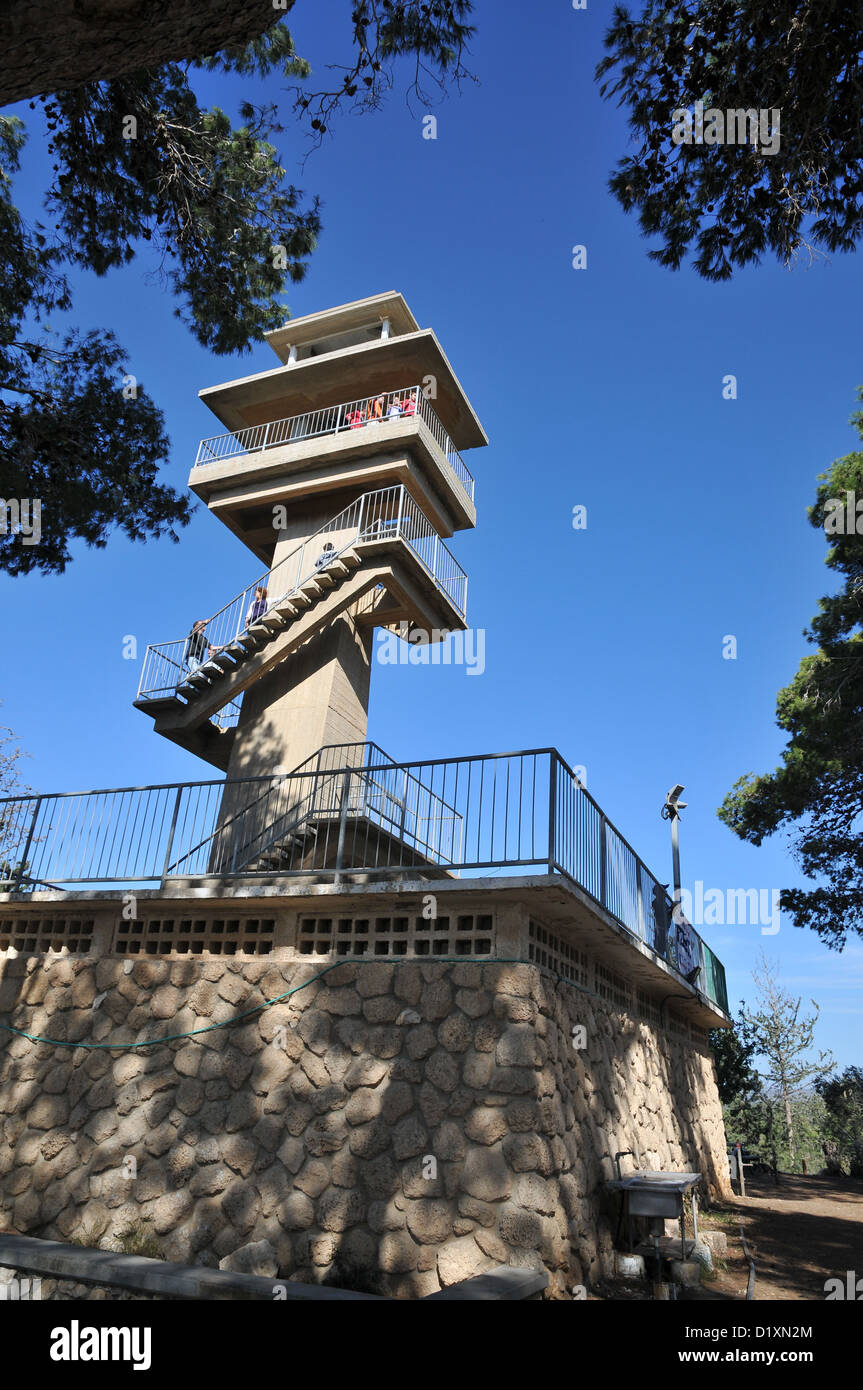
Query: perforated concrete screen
point(71, 936)
point(464, 935)
point(229, 936)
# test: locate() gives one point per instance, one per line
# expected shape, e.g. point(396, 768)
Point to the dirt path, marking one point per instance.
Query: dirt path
point(800, 1234)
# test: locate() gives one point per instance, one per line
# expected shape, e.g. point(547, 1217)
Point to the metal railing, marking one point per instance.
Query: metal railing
point(169, 674)
point(323, 820)
point(351, 808)
point(409, 403)
point(388, 514)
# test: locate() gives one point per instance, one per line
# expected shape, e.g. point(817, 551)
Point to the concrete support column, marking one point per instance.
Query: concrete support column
point(319, 696)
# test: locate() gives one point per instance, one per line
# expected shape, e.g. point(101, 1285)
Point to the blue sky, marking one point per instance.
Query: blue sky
point(600, 387)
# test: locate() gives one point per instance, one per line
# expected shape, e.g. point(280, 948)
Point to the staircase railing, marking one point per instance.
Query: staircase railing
point(389, 513)
point(312, 797)
point(252, 830)
point(410, 401)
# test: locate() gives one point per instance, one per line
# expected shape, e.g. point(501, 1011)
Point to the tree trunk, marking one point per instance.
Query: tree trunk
point(789, 1123)
point(49, 47)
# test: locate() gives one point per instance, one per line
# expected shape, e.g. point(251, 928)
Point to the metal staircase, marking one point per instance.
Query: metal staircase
point(173, 682)
point(315, 818)
point(262, 630)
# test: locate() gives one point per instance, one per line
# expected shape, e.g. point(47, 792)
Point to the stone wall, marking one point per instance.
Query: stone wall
point(67, 1291)
point(410, 1124)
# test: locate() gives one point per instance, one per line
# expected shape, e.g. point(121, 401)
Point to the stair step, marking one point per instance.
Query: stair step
point(312, 589)
point(260, 632)
point(154, 704)
point(324, 579)
point(350, 558)
point(237, 650)
point(286, 609)
point(274, 621)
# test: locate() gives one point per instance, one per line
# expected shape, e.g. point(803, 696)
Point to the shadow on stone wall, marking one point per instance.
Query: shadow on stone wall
point(392, 1127)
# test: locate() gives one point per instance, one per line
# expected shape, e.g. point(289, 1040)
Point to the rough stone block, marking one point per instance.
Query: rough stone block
point(429, 1221)
point(326, 1134)
point(435, 1001)
point(258, 1258)
point(339, 1208)
point(485, 1175)
point(420, 1041)
point(461, 1259)
point(486, 1125)
point(399, 1252)
point(314, 1178)
point(296, 1212)
point(409, 1138)
point(384, 1009)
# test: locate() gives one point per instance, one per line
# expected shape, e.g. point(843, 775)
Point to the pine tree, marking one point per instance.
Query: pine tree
point(818, 789)
point(784, 1038)
point(138, 162)
point(727, 205)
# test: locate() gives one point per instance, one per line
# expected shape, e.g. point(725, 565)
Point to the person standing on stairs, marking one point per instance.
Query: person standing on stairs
point(198, 648)
point(325, 556)
point(258, 606)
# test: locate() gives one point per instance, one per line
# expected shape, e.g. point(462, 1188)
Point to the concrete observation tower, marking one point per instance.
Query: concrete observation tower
point(340, 470)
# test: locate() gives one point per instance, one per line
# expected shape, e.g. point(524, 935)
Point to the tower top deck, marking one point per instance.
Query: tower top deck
point(362, 348)
point(347, 325)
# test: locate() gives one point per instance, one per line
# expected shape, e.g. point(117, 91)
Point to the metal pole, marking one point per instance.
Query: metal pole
point(552, 813)
point(343, 816)
point(404, 808)
point(170, 844)
point(675, 855)
point(23, 864)
point(671, 812)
